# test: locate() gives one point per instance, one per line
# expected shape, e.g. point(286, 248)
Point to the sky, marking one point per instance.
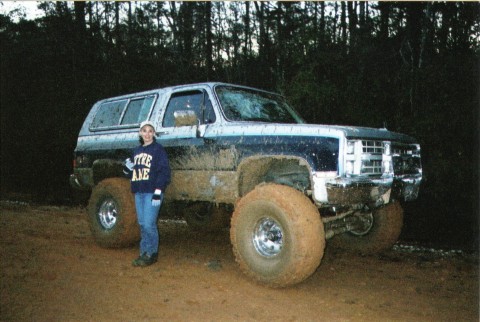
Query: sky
point(27, 7)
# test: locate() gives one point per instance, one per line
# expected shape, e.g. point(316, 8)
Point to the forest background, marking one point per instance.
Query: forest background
point(410, 66)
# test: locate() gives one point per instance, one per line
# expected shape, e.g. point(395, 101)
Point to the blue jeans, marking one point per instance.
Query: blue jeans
point(147, 216)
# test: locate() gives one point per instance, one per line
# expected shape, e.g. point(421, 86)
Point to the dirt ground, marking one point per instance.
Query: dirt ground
point(51, 270)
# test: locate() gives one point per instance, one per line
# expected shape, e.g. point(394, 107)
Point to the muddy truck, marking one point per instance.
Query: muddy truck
point(243, 159)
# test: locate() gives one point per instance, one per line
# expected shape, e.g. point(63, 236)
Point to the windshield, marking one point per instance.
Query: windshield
point(241, 104)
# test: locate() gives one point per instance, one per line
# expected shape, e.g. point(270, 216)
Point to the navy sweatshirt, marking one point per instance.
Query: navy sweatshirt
point(151, 169)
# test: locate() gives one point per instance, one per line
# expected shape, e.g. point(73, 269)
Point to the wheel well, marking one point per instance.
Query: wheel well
point(289, 171)
point(106, 168)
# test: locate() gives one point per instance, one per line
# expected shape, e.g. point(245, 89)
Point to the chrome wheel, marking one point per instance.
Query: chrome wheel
point(268, 237)
point(107, 214)
point(276, 241)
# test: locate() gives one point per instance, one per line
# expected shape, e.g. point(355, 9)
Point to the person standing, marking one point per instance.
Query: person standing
point(149, 172)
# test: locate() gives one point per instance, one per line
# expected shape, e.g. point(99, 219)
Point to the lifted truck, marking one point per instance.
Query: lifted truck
point(290, 185)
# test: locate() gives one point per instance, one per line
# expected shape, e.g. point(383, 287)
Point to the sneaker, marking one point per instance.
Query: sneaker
point(145, 260)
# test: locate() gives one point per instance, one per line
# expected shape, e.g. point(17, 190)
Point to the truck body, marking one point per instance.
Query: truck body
point(232, 146)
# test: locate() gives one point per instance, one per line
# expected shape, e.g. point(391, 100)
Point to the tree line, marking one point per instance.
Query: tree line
point(412, 67)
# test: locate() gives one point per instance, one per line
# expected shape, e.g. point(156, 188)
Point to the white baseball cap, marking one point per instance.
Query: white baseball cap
point(150, 123)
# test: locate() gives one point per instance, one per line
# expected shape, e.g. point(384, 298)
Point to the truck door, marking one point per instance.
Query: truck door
point(196, 107)
point(192, 158)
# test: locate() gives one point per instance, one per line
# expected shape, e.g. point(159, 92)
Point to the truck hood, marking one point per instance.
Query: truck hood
point(334, 131)
point(372, 133)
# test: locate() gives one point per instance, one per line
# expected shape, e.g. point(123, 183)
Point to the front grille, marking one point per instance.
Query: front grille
point(373, 150)
point(372, 147)
point(372, 167)
point(404, 150)
point(376, 158)
point(406, 165)
point(406, 159)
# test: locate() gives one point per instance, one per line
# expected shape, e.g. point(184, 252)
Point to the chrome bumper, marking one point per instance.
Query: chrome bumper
point(364, 190)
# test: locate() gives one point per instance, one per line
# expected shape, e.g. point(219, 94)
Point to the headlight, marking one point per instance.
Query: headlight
point(350, 147)
point(387, 167)
point(387, 148)
point(349, 167)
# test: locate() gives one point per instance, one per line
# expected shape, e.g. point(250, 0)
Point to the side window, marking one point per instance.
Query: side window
point(122, 112)
point(189, 101)
point(137, 110)
point(108, 114)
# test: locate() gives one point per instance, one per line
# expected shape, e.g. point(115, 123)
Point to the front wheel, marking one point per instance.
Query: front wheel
point(111, 214)
point(277, 235)
point(384, 228)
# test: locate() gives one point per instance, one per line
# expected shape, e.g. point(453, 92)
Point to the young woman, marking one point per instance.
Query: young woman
point(149, 171)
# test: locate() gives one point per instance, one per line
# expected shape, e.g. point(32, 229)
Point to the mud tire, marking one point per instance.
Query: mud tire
point(205, 216)
point(124, 231)
point(387, 226)
point(303, 235)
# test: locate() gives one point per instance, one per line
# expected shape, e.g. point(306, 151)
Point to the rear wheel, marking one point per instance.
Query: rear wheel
point(111, 214)
point(277, 235)
point(380, 232)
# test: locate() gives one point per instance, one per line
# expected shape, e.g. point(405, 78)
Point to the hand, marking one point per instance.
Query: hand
point(128, 167)
point(157, 198)
point(129, 164)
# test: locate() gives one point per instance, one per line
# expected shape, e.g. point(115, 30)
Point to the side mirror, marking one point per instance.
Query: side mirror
point(185, 118)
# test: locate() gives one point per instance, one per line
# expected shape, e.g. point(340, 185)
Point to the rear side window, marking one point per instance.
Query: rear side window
point(108, 114)
point(122, 113)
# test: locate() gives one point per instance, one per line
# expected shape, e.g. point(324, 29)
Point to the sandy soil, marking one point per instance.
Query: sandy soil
point(51, 270)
